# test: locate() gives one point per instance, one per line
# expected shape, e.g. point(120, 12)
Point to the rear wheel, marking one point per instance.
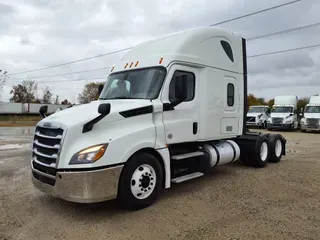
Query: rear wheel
point(259, 158)
point(275, 148)
point(141, 181)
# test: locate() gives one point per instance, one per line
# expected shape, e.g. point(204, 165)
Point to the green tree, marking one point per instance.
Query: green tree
point(271, 102)
point(89, 93)
point(24, 92)
point(302, 102)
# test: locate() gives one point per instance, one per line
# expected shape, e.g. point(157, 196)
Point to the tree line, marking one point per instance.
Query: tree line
point(27, 92)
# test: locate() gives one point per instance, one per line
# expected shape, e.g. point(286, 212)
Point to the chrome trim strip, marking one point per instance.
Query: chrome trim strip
point(57, 146)
point(42, 173)
point(52, 165)
point(46, 136)
point(54, 156)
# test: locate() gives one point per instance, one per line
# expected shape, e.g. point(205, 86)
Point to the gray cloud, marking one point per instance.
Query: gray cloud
point(40, 33)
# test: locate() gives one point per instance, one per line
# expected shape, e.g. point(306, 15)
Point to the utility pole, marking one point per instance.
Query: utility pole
point(3, 79)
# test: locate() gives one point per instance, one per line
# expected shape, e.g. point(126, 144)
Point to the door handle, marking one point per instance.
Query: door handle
point(195, 128)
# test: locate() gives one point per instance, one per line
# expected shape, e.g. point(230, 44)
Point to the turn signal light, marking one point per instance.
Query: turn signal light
point(161, 60)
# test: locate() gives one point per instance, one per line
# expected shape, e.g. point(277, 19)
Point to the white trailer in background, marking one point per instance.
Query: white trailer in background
point(284, 114)
point(170, 110)
point(257, 116)
point(311, 115)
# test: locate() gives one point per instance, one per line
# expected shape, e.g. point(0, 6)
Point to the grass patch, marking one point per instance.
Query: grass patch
point(19, 120)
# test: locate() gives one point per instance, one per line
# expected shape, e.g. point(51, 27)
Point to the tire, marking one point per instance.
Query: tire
point(140, 182)
point(303, 130)
point(264, 125)
point(275, 148)
point(260, 157)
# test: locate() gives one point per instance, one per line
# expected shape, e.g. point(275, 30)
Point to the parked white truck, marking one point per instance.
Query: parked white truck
point(170, 110)
point(284, 114)
point(257, 116)
point(311, 115)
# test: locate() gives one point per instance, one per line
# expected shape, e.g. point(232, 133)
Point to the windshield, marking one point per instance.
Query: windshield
point(282, 109)
point(134, 84)
point(258, 110)
point(312, 109)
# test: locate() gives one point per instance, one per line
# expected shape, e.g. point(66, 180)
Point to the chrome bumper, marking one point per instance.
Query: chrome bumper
point(80, 186)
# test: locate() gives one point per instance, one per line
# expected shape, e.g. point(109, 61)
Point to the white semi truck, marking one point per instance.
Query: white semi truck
point(170, 110)
point(311, 115)
point(257, 116)
point(284, 114)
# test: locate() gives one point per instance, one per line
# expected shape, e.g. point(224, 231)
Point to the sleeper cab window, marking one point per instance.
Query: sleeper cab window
point(230, 94)
point(190, 78)
point(227, 49)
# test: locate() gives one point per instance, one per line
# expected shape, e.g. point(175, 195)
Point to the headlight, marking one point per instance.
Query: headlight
point(269, 120)
point(89, 155)
point(289, 121)
point(303, 121)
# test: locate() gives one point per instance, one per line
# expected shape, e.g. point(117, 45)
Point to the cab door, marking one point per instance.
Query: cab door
point(181, 123)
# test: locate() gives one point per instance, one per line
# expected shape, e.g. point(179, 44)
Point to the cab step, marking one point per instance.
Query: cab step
point(187, 155)
point(187, 177)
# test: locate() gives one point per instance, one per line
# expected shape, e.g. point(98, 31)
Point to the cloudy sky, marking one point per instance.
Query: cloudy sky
point(40, 33)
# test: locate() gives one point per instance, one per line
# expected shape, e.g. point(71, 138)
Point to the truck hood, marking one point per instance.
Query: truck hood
point(312, 115)
point(253, 114)
point(280, 115)
point(81, 114)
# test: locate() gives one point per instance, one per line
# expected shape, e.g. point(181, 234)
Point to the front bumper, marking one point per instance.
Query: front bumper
point(308, 128)
point(279, 126)
point(79, 186)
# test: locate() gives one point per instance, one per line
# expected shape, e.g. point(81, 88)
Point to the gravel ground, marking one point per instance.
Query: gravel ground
point(281, 201)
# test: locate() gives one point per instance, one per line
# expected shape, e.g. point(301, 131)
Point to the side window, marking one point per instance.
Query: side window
point(230, 94)
point(190, 78)
point(228, 50)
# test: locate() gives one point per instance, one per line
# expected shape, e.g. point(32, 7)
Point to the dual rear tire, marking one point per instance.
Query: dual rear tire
point(268, 148)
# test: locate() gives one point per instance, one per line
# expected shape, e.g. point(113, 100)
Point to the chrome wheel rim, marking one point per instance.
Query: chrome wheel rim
point(143, 181)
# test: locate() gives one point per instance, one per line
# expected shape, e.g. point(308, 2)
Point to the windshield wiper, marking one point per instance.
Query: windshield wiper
point(123, 97)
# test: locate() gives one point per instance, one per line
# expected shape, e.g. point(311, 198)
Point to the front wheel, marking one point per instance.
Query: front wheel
point(140, 182)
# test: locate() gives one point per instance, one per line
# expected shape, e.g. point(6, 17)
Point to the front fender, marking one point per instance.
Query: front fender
point(124, 137)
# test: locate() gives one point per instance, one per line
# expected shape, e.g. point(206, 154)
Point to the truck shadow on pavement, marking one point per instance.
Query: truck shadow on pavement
point(112, 208)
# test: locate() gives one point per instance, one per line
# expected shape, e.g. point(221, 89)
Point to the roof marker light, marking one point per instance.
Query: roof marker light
point(131, 64)
point(125, 66)
point(136, 64)
point(161, 60)
point(112, 68)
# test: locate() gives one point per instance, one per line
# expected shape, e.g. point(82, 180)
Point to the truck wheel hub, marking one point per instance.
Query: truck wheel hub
point(143, 181)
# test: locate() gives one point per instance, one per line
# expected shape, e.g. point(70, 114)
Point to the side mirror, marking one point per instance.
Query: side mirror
point(43, 110)
point(100, 88)
point(104, 109)
point(291, 114)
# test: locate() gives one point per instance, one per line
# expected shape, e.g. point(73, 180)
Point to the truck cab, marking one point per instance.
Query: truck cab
point(311, 115)
point(170, 109)
point(257, 116)
point(284, 114)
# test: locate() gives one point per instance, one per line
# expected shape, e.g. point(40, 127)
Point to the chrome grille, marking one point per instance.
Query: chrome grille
point(277, 120)
point(46, 145)
point(251, 119)
point(312, 122)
